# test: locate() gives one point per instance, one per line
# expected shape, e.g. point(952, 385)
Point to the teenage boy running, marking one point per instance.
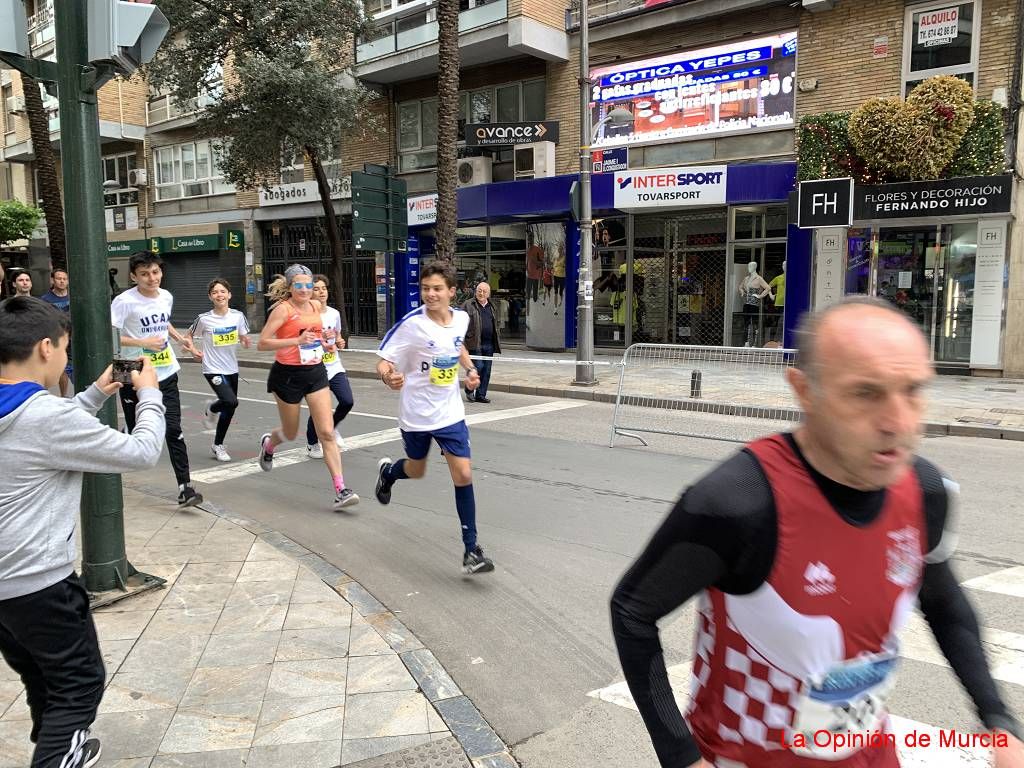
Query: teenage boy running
point(142, 316)
point(47, 633)
point(221, 330)
point(337, 379)
point(420, 357)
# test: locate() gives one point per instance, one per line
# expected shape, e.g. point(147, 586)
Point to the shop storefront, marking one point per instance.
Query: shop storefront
point(290, 223)
point(938, 251)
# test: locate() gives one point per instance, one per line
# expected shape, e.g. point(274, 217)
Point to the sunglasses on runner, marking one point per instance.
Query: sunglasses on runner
point(307, 286)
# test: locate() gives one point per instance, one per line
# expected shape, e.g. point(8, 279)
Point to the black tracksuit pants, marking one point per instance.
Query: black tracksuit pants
point(175, 437)
point(49, 639)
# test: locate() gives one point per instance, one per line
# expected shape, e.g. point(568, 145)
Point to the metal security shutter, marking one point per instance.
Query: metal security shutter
point(186, 276)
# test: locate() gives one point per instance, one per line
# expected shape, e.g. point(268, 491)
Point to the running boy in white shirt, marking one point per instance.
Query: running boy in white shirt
point(221, 330)
point(337, 379)
point(142, 316)
point(420, 357)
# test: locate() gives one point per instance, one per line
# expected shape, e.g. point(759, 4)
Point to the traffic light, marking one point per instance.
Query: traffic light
point(125, 34)
point(13, 28)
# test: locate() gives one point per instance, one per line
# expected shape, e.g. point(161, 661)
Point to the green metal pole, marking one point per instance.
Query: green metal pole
point(104, 564)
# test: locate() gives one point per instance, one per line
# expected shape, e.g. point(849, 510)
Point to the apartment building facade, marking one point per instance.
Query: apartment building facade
point(694, 108)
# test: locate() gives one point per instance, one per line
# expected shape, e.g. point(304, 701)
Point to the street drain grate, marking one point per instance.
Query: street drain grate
point(975, 420)
point(444, 753)
point(1009, 411)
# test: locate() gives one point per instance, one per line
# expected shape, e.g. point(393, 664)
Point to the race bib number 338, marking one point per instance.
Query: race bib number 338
point(444, 371)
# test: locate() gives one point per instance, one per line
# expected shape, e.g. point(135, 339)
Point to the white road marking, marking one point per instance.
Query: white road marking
point(1009, 581)
point(272, 402)
point(368, 440)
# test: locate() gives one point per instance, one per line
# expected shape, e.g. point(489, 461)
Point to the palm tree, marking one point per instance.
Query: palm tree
point(447, 126)
point(46, 169)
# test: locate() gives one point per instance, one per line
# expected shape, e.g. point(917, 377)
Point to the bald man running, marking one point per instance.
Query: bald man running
point(808, 551)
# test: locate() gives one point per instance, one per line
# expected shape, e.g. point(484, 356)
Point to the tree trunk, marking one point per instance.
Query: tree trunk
point(46, 166)
point(447, 126)
point(333, 236)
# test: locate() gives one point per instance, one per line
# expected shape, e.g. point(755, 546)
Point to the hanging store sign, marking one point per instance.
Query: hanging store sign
point(670, 187)
point(510, 134)
point(192, 243)
point(611, 160)
point(939, 27)
point(421, 210)
point(969, 196)
point(731, 88)
point(304, 192)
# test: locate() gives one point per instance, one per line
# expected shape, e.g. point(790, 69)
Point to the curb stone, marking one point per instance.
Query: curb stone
point(475, 736)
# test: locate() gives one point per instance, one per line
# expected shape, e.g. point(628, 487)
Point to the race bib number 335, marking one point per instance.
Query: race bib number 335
point(225, 337)
point(444, 371)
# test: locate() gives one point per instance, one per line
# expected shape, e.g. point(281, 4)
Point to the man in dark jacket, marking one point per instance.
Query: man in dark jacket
point(481, 338)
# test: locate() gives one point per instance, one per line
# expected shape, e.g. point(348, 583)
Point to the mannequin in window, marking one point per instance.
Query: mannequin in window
point(777, 288)
point(752, 289)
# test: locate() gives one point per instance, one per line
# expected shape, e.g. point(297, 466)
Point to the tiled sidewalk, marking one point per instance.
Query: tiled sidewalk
point(256, 654)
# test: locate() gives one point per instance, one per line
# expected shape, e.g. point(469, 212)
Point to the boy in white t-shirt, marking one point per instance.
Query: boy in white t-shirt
point(221, 330)
point(337, 379)
point(142, 316)
point(420, 357)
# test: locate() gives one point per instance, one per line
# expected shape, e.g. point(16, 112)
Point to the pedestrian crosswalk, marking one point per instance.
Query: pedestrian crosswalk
point(1005, 651)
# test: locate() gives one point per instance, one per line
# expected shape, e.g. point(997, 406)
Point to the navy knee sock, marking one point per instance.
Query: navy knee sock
point(396, 471)
point(465, 503)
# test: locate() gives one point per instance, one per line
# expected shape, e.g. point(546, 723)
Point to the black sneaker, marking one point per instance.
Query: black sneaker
point(189, 497)
point(481, 399)
point(90, 753)
point(470, 395)
point(475, 562)
point(346, 498)
point(266, 459)
point(383, 489)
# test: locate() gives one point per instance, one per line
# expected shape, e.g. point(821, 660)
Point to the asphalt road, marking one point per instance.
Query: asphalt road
point(562, 515)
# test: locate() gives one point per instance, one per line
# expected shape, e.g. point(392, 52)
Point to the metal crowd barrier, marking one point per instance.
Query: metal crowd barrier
point(735, 394)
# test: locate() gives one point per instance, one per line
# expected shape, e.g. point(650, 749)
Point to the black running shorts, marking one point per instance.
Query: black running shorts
point(291, 383)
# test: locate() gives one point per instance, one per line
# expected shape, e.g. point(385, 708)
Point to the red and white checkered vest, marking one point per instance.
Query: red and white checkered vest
point(813, 650)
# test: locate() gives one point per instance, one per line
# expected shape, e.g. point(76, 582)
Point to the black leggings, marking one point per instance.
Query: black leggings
point(175, 438)
point(343, 394)
point(225, 387)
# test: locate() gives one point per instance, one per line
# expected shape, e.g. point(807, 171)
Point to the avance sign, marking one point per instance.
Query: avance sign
point(731, 88)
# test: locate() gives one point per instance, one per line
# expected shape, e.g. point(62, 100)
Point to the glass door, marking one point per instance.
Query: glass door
point(756, 278)
point(955, 293)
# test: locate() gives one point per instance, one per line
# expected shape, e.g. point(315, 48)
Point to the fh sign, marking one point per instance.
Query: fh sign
point(825, 203)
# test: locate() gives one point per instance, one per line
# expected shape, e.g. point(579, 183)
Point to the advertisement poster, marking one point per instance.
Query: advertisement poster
point(939, 27)
point(732, 88)
point(545, 286)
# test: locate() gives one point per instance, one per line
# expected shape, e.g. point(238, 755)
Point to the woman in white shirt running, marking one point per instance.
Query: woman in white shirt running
point(337, 379)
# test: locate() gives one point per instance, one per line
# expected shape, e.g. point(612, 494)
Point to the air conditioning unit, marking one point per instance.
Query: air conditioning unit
point(474, 170)
point(535, 161)
point(16, 105)
point(138, 177)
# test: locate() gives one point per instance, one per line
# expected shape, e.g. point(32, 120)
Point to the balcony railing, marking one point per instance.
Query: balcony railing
point(160, 109)
point(400, 31)
point(41, 27)
point(602, 9)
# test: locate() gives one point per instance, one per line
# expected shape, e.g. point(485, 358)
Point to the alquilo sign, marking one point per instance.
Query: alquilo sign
point(670, 187)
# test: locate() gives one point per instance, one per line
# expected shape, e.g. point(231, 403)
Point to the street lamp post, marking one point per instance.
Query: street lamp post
point(585, 283)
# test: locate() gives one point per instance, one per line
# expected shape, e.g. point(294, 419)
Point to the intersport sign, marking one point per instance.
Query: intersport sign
point(510, 134)
point(670, 187)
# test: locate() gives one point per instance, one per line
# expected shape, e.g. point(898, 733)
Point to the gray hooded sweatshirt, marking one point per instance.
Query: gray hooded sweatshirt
point(46, 443)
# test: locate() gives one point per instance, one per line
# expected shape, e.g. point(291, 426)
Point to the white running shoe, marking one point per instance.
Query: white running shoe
point(219, 452)
point(338, 439)
point(315, 451)
point(210, 419)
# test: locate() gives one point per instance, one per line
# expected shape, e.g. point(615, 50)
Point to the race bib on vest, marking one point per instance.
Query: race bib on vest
point(330, 358)
point(311, 353)
point(444, 371)
point(225, 337)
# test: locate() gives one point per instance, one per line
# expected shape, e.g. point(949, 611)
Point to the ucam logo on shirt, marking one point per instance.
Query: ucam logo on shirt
point(670, 187)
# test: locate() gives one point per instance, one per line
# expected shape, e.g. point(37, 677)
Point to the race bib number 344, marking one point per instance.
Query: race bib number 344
point(162, 358)
point(444, 371)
